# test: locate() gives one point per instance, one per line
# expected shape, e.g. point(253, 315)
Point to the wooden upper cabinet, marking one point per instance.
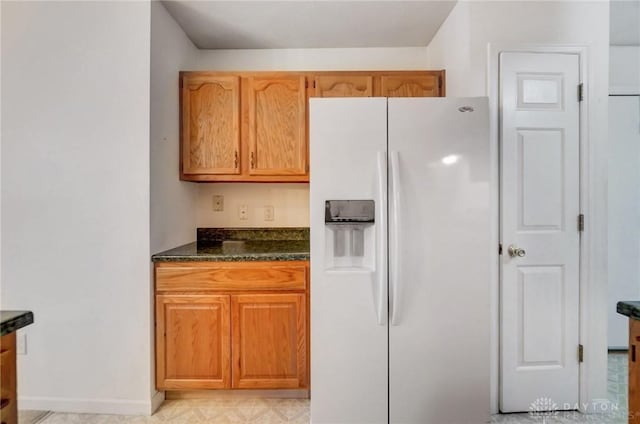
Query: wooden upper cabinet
point(343, 85)
point(269, 341)
point(210, 124)
point(418, 85)
point(277, 125)
point(193, 342)
point(252, 126)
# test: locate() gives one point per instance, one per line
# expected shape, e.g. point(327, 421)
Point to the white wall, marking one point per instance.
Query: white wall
point(387, 58)
point(290, 200)
point(624, 77)
point(173, 202)
point(290, 203)
point(466, 46)
point(75, 201)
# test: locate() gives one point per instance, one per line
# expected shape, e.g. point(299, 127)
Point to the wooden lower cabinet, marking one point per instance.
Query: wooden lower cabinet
point(245, 336)
point(634, 371)
point(8, 380)
point(193, 342)
point(269, 341)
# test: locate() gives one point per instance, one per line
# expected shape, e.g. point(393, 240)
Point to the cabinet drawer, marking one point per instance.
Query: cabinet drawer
point(197, 276)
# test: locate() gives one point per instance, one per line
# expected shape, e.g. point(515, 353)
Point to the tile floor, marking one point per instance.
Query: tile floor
point(296, 411)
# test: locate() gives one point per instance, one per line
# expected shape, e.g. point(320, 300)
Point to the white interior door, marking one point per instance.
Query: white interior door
point(624, 212)
point(540, 204)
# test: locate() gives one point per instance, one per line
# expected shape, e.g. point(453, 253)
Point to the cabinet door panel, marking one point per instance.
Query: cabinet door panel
point(210, 125)
point(343, 86)
point(269, 341)
point(277, 125)
point(193, 346)
point(410, 86)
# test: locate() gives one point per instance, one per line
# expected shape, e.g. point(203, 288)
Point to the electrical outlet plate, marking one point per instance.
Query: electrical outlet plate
point(218, 203)
point(268, 213)
point(21, 344)
point(243, 212)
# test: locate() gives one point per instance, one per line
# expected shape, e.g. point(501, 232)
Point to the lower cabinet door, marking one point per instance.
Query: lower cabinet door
point(193, 342)
point(269, 341)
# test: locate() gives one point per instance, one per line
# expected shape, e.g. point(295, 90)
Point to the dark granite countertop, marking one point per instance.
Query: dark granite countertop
point(630, 308)
point(234, 244)
point(11, 321)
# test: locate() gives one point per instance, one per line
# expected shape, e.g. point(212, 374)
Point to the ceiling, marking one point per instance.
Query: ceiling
point(625, 23)
point(308, 24)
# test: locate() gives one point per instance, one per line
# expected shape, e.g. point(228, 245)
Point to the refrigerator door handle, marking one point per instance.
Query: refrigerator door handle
point(394, 235)
point(380, 278)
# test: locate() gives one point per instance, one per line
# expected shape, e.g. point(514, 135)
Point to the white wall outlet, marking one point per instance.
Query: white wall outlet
point(218, 203)
point(21, 344)
point(268, 213)
point(243, 212)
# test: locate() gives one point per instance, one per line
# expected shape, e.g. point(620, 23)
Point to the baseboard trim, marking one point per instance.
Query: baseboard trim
point(156, 401)
point(92, 406)
point(236, 393)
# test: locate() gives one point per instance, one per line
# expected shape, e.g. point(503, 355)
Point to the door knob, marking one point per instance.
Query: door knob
point(516, 251)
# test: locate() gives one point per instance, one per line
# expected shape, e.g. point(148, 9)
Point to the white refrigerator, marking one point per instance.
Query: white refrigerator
point(624, 212)
point(400, 260)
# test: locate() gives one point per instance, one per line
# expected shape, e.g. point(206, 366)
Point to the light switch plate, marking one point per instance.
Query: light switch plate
point(21, 344)
point(268, 213)
point(218, 203)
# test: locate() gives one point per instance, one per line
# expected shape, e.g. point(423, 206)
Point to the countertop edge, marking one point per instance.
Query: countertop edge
point(284, 257)
point(629, 308)
point(14, 324)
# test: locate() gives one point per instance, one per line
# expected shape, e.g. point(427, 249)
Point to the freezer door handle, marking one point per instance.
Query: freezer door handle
point(394, 235)
point(380, 277)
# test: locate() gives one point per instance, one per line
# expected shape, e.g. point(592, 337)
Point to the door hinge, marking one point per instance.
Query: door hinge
point(580, 92)
point(581, 222)
point(500, 249)
point(580, 353)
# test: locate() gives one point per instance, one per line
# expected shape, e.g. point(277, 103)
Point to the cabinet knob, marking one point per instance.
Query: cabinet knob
point(235, 160)
point(252, 160)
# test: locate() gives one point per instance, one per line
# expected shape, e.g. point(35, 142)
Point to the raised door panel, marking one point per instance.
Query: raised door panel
point(193, 346)
point(343, 86)
point(410, 85)
point(269, 341)
point(277, 125)
point(210, 125)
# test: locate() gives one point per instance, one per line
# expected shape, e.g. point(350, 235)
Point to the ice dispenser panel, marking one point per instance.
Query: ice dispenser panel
point(349, 224)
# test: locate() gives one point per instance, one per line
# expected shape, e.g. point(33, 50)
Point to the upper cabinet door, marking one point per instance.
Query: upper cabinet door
point(410, 85)
point(277, 125)
point(210, 124)
point(343, 86)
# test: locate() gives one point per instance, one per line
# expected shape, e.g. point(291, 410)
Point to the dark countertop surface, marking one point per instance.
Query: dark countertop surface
point(259, 244)
point(630, 308)
point(11, 321)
